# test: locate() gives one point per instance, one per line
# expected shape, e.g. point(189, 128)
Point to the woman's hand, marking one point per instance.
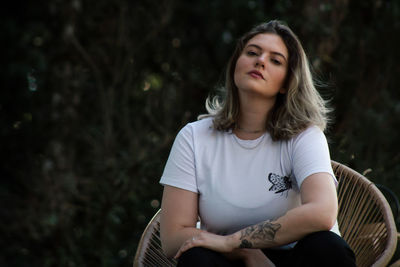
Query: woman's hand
point(211, 241)
point(228, 246)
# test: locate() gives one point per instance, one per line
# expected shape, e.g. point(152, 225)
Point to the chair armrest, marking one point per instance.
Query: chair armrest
point(396, 263)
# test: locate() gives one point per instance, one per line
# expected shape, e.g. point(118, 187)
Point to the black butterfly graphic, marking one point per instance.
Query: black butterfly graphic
point(279, 183)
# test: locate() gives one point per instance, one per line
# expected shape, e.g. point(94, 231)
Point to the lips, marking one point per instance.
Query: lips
point(256, 74)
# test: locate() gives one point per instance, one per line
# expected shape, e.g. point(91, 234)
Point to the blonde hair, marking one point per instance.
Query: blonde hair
point(294, 111)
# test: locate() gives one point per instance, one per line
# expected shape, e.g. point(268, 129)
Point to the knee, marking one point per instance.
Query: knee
point(196, 256)
point(328, 247)
point(323, 241)
point(190, 256)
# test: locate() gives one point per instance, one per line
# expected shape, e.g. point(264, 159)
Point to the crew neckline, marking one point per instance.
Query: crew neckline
point(248, 143)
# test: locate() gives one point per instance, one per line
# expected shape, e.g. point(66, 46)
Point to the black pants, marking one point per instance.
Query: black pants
point(317, 249)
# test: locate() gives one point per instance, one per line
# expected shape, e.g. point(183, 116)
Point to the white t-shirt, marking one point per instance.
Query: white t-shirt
point(243, 182)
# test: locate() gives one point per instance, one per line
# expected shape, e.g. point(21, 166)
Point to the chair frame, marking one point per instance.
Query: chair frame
point(365, 218)
point(149, 251)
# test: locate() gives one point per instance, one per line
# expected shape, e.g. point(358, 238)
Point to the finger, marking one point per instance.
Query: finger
point(181, 250)
point(186, 246)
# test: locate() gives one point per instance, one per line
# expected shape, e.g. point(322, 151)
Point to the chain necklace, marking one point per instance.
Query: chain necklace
point(249, 144)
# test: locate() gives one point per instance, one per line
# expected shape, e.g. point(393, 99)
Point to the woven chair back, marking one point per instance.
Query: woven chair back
point(149, 252)
point(365, 218)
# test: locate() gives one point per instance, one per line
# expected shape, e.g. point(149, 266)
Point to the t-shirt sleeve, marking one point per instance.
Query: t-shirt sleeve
point(180, 169)
point(310, 155)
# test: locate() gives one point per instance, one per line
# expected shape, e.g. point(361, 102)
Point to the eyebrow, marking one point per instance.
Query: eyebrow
point(273, 52)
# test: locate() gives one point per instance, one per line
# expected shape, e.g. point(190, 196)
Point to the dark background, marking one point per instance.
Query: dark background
point(94, 92)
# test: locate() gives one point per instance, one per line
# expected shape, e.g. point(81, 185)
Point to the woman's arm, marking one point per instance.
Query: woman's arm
point(317, 213)
point(179, 213)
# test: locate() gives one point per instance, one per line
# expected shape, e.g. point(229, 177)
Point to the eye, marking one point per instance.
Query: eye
point(251, 53)
point(276, 61)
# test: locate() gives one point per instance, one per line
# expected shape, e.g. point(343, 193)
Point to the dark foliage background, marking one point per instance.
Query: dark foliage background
point(94, 93)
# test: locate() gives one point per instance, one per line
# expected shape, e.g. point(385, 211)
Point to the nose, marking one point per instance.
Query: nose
point(261, 61)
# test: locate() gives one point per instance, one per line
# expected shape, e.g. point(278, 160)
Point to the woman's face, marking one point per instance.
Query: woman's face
point(262, 66)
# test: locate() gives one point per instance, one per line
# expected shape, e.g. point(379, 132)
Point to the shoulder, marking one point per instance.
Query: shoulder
point(311, 133)
point(203, 125)
point(197, 128)
point(309, 139)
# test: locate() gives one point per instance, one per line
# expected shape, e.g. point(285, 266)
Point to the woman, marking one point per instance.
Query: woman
point(256, 170)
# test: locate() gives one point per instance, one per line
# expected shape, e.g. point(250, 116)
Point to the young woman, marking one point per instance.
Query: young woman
point(256, 170)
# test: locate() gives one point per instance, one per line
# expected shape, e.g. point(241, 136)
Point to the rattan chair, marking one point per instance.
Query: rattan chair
point(149, 252)
point(365, 218)
point(365, 221)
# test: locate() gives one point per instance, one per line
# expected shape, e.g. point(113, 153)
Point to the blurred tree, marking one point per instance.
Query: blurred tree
point(94, 94)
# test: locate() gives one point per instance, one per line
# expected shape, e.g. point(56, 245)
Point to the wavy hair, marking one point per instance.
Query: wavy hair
point(294, 111)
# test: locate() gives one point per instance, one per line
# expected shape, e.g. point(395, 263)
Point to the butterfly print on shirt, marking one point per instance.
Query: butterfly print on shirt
point(279, 183)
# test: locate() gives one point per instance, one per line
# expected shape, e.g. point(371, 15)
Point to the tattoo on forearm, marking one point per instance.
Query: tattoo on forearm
point(258, 234)
point(245, 244)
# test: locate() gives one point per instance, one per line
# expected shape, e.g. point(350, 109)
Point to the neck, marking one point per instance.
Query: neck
point(254, 113)
point(240, 129)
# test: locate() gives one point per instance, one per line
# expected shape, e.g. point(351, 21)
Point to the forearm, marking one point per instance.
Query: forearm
point(317, 213)
point(291, 227)
point(295, 224)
